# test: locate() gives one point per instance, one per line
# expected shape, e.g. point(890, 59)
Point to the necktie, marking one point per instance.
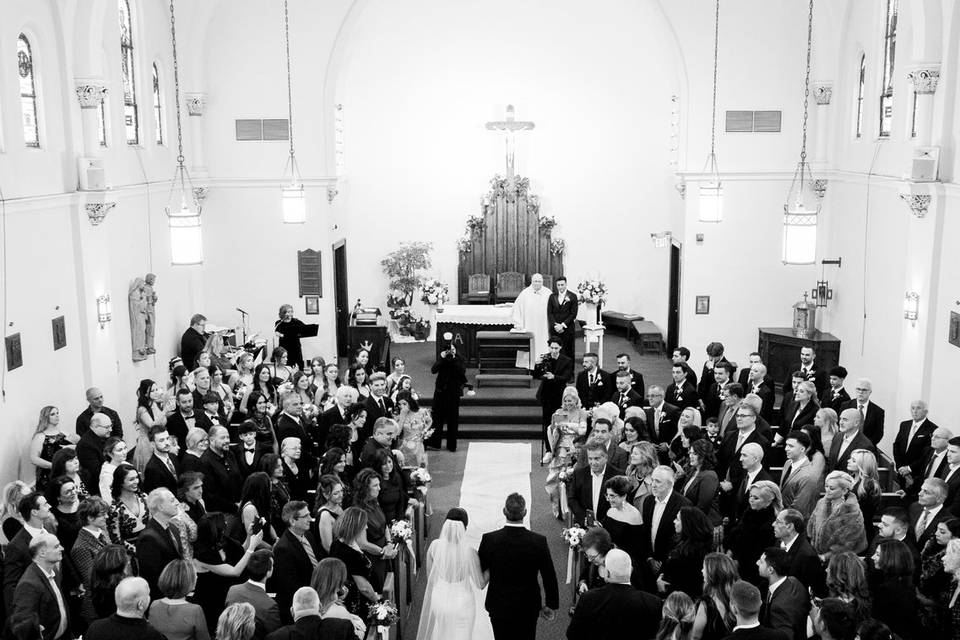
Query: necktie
point(922, 524)
point(623, 399)
point(170, 467)
point(309, 551)
point(62, 627)
point(593, 378)
point(913, 432)
point(656, 421)
point(740, 440)
point(383, 409)
point(786, 476)
point(863, 414)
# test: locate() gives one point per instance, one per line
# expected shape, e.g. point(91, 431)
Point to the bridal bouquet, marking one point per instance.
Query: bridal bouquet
point(420, 476)
point(574, 536)
point(565, 474)
point(401, 531)
point(434, 292)
point(425, 434)
point(383, 614)
point(593, 291)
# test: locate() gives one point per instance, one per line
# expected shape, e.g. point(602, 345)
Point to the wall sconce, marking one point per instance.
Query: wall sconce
point(911, 307)
point(103, 309)
point(822, 293)
point(662, 239)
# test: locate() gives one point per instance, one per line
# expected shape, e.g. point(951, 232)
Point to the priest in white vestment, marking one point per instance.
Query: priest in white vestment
point(530, 314)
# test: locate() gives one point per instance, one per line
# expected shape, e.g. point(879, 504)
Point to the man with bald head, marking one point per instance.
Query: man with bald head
point(90, 450)
point(95, 405)
point(934, 462)
point(848, 440)
point(221, 474)
point(39, 607)
point(132, 596)
point(871, 415)
point(307, 622)
point(751, 460)
point(530, 314)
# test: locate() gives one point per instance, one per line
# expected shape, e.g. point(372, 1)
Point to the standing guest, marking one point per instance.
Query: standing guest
point(13, 492)
point(263, 422)
point(862, 466)
point(949, 598)
point(307, 623)
point(159, 542)
point(366, 490)
point(729, 467)
point(362, 358)
point(800, 483)
point(803, 562)
point(330, 488)
point(349, 533)
point(933, 579)
point(624, 395)
point(184, 418)
point(280, 366)
point(715, 618)
point(180, 377)
point(659, 512)
point(197, 443)
point(834, 619)
point(291, 424)
point(95, 405)
point(213, 409)
point(334, 462)
point(414, 425)
point(643, 460)
point(617, 609)
point(676, 622)
point(745, 603)
point(254, 591)
point(836, 523)
point(555, 370)
point(928, 511)
point(835, 396)
point(193, 340)
point(273, 466)
point(596, 544)
point(242, 381)
point(682, 570)
point(681, 393)
point(808, 371)
point(562, 316)
point(359, 378)
point(220, 561)
point(330, 384)
point(585, 493)
point(128, 510)
point(172, 615)
point(514, 558)
point(827, 421)
point(91, 539)
point(35, 512)
point(712, 398)
point(62, 494)
point(66, 463)
point(714, 360)
point(787, 603)
point(39, 608)
point(892, 588)
point(393, 497)
point(726, 423)
point(912, 441)
point(622, 519)
point(301, 386)
point(634, 430)
point(237, 622)
point(203, 387)
point(296, 555)
point(636, 378)
point(329, 580)
point(111, 565)
point(759, 385)
point(221, 474)
point(451, 378)
point(47, 440)
point(701, 485)
point(681, 356)
point(594, 385)
point(162, 468)
point(753, 532)
point(296, 469)
point(872, 416)
point(132, 599)
point(190, 494)
point(405, 383)
point(398, 368)
point(264, 382)
point(847, 582)
point(250, 452)
point(336, 413)
point(751, 460)
point(290, 330)
point(847, 440)
point(817, 455)
point(567, 423)
point(91, 452)
point(800, 413)
point(602, 434)
point(378, 405)
point(255, 509)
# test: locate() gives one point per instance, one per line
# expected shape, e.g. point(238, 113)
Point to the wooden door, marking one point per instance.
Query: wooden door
point(341, 299)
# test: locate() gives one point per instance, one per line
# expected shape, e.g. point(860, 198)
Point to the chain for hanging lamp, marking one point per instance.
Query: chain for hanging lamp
point(803, 206)
point(292, 196)
point(711, 192)
point(183, 218)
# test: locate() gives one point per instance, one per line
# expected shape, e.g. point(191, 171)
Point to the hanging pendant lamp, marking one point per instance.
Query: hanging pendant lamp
point(711, 192)
point(292, 198)
point(802, 208)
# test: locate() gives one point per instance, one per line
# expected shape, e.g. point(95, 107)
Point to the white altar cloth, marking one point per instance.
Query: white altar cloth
point(475, 314)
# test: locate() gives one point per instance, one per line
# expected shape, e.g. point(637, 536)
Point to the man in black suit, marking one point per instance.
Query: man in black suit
point(586, 492)
point(934, 462)
point(728, 468)
point(835, 396)
point(602, 432)
point(193, 341)
point(757, 384)
point(132, 597)
point(90, 451)
point(951, 476)
point(307, 621)
point(451, 378)
point(787, 603)
point(161, 469)
point(294, 556)
point(681, 393)
point(337, 414)
point(514, 558)
point(39, 605)
point(732, 397)
point(555, 370)
point(378, 404)
point(290, 423)
point(34, 510)
point(221, 475)
point(712, 399)
point(594, 385)
point(707, 376)
point(810, 372)
point(562, 316)
point(745, 603)
point(681, 356)
point(751, 461)
point(662, 419)
point(636, 378)
point(912, 442)
point(928, 511)
point(743, 378)
point(616, 610)
point(872, 415)
point(847, 440)
point(95, 405)
point(159, 542)
point(894, 525)
point(249, 453)
point(625, 396)
point(184, 418)
point(659, 510)
point(803, 562)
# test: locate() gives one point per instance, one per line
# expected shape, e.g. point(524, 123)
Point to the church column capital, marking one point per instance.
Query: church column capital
point(331, 193)
point(925, 78)
point(919, 203)
point(97, 211)
point(822, 92)
point(90, 92)
point(196, 103)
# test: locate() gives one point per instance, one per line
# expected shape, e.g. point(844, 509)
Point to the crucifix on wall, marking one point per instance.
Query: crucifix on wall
point(510, 126)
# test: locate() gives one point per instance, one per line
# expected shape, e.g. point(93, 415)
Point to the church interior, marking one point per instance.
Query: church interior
point(724, 169)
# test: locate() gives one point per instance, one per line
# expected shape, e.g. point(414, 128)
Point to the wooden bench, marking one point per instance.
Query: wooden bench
point(622, 320)
point(648, 336)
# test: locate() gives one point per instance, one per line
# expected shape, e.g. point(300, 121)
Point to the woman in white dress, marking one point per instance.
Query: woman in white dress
point(453, 601)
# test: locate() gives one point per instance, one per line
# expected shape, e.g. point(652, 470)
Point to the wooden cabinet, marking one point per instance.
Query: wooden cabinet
point(780, 350)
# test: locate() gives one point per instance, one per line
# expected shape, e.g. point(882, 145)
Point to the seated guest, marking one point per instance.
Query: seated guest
point(800, 483)
point(745, 603)
point(221, 474)
point(197, 443)
point(596, 544)
point(787, 603)
point(133, 601)
point(871, 416)
point(847, 582)
point(622, 519)
point(90, 451)
point(159, 542)
point(296, 471)
point(659, 534)
point(296, 555)
point(912, 441)
point(753, 531)
point(892, 588)
point(715, 618)
point(94, 406)
point(161, 470)
point(836, 523)
point(128, 510)
point(250, 452)
point(307, 622)
point(862, 467)
point(328, 580)
point(803, 562)
point(172, 615)
point(682, 570)
point(617, 609)
point(585, 491)
point(254, 591)
point(35, 511)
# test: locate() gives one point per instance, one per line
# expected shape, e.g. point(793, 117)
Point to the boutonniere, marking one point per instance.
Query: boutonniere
point(599, 382)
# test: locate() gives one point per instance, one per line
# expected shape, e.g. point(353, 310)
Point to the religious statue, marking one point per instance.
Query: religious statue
point(138, 319)
point(150, 296)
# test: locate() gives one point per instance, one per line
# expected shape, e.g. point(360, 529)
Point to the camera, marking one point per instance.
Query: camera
point(258, 526)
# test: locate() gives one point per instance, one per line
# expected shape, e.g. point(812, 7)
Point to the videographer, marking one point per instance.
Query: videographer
point(555, 371)
point(451, 375)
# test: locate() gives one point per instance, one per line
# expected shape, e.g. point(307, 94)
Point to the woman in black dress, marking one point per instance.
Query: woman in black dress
point(349, 538)
point(366, 491)
point(392, 498)
point(47, 440)
point(715, 618)
point(892, 589)
point(622, 519)
point(682, 570)
point(330, 488)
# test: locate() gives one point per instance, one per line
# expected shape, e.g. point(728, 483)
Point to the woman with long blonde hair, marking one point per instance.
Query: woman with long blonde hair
point(47, 440)
point(677, 618)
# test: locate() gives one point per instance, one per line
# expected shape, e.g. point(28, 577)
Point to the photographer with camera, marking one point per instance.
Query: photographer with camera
point(451, 375)
point(555, 371)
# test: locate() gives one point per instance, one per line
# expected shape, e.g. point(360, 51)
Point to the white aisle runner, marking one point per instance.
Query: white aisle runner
point(493, 471)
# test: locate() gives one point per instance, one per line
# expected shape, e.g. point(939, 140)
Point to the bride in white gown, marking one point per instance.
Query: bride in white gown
point(453, 602)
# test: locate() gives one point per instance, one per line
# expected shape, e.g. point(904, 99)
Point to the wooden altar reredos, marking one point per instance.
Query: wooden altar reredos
point(512, 236)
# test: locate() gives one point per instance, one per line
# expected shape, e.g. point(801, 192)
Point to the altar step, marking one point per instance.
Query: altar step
point(503, 379)
point(499, 414)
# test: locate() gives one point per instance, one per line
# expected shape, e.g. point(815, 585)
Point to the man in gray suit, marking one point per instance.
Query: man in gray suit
point(254, 591)
point(800, 484)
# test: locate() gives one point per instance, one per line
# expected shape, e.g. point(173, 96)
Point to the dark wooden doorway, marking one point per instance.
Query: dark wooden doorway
point(673, 309)
point(341, 299)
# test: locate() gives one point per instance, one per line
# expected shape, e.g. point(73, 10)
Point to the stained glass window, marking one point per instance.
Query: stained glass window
point(127, 71)
point(28, 92)
point(157, 108)
point(889, 49)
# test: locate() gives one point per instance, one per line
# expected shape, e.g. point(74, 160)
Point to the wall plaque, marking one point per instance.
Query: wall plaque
point(14, 354)
point(59, 333)
point(308, 271)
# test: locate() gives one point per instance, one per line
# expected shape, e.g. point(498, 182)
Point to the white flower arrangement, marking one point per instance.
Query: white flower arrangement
point(574, 536)
point(465, 244)
point(434, 292)
point(401, 531)
point(384, 614)
point(565, 474)
point(420, 476)
point(594, 291)
point(425, 434)
point(558, 246)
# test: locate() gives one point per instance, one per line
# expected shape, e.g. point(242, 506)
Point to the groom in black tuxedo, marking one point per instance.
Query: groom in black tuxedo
point(515, 556)
point(562, 315)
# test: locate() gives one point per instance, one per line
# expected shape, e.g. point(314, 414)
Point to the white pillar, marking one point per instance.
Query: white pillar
point(924, 81)
point(90, 94)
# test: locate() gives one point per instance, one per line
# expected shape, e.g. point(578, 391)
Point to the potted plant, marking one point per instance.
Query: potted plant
point(402, 267)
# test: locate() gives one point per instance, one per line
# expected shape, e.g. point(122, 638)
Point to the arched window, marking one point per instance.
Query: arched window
point(28, 92)
point(102, 122)
point(860, 88)
point(889, 49)
point(157, 107)
point(127, 67)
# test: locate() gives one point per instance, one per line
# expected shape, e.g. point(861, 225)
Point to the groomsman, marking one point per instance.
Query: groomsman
point(594, 385)
point(712, 400)
point(555, 370)
point(715, 359)
point(562, 316)
point(662, 418)
point(835, 396)
point(625, 396)
point(636, 378)
point(810, 371)
point(681, 393)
